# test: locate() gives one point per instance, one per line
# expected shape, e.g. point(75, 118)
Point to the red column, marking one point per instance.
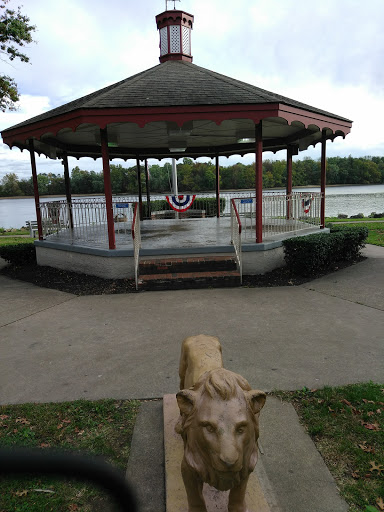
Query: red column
point(289, 181)
point(259, 182)
point(323, 178)
point(68, 188)
point(217, 187)
point(107, 188)
point(35, 189)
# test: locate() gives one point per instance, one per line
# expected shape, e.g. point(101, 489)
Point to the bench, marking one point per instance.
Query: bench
point(171, 214)
point(33, 229)
point(49, 227)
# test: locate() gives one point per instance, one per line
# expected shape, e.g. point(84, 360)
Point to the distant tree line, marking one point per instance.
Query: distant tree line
point(200, 177)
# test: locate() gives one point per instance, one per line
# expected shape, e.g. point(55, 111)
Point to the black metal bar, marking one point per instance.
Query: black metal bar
point(139, 188)
point(147, 187)
point(67, 182)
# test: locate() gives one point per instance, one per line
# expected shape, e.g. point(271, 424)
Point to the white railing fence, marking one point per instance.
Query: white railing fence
point(282, 213)
point(85, 219)
point(236, 229)
point(136, 237)
point(55, 216)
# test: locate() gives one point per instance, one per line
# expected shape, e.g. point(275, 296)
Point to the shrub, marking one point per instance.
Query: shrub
point(156, 206)
point(352, 241)
point(18, 254)
point(306, 255)
point(209, 205)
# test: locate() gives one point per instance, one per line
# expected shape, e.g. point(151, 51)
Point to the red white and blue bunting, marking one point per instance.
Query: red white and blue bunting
point(180, 203)
point(307, 203)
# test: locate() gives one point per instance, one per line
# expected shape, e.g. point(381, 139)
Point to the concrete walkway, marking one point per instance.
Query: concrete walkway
point(56, 346)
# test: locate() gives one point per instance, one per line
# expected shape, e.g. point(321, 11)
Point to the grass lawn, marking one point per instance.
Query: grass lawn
point(101, 427)
point(375, 229)
point(13, 231)
point(363, 219)
point(345, 423)
point(375, 233)
point(347, 426)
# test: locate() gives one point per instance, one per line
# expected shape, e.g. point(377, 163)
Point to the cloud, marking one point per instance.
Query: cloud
point(327, 54)
point(297, 39)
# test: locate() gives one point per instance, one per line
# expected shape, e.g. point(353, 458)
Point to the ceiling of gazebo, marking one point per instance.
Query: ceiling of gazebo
point(172, 110)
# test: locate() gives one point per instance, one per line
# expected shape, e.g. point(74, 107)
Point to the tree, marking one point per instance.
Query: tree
point(158, 180)
point(26, 186)
point(15, 32)
point(10, 185)
point(43, 182)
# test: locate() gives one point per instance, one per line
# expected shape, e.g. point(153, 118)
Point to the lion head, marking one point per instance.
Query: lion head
point(219, 425)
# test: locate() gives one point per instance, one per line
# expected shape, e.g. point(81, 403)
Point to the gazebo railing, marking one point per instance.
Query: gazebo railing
point(282, 213)
point(85, 219)
point(55, 216)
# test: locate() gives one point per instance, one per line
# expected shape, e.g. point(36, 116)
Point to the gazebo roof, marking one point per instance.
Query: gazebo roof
point(175, 83)
point(175, 109)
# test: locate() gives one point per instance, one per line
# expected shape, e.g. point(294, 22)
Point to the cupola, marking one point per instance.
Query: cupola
point(175, 35)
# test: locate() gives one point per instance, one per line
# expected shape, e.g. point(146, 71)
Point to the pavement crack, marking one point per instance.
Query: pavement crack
point(343, 298)
point(39, 311)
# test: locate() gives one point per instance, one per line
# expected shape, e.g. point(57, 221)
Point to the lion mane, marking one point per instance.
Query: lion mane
point(224, 385)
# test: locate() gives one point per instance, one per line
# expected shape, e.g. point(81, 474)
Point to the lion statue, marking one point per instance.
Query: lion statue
point(219, 424)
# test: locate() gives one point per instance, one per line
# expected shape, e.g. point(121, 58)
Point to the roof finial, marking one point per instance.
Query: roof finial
point(174, 27)
point(174, 1)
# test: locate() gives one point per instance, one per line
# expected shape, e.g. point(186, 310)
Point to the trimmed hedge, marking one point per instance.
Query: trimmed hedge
point(306, 255)
point(156, 206)
point(353, 240)
point(201, 203)
point(18, 254)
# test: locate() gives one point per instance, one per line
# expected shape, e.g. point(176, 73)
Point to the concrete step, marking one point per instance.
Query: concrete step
point(190, 264)
point(189, 280)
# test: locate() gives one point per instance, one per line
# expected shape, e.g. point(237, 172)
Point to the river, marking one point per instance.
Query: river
point(349, 200)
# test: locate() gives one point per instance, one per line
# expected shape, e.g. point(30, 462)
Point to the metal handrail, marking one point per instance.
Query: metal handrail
point(136, 238)
point(236, 237)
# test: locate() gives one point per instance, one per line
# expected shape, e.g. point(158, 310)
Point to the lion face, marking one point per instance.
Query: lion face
point(224, 431)
point(220, 432)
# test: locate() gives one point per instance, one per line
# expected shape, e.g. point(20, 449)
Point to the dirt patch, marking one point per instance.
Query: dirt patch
point(82, 284)
point(283, 277)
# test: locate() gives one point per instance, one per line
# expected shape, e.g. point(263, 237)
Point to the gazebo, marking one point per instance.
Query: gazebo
point(173, 110)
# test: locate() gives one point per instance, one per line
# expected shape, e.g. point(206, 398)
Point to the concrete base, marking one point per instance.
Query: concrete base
point(176, 498)
point(261, 262)
point(165, 239)
point(119, 264)
point(100, 263)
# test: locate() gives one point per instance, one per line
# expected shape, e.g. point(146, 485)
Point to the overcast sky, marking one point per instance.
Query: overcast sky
point(328, 54)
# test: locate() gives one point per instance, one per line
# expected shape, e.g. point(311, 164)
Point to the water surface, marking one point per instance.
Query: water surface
point(349, 200)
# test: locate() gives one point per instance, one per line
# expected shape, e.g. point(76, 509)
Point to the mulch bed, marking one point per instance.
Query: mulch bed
point(82, 284)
